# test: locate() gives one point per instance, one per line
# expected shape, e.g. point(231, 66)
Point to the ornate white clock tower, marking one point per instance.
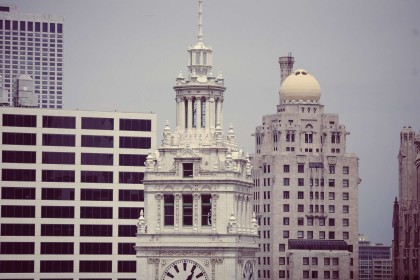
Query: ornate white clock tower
point(198, 221)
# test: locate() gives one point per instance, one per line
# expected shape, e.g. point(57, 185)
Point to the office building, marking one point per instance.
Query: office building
point(33, 45)
point(374, 260)
point(406, 216)
point(306, 186)
point(198, 188)
point(71, 192)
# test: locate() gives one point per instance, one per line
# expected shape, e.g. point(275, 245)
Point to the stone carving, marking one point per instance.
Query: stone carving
point(213, 267)
point(254, 224)
point(141, 224)
point(231, 227)
point(332, 160)
point(152, 260)
point(300, 159)
point(192, 253)
point(159, 198)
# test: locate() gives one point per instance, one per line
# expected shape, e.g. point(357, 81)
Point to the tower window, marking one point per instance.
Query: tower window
point(206, 210)
point(203, 113)
point(187, 209)
point(187, 170)
point(168, 209)
point(308, 137)
point(197, 58)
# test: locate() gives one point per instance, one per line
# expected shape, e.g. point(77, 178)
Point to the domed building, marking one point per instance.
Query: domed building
point(300, 86)
point(306, 186)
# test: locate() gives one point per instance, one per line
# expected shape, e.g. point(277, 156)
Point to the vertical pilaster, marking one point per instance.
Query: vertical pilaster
point(196, 206)
point(214, 198)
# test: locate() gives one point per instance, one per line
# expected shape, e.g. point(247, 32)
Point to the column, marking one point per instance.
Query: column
point(207, 116)
point(212, 113)
point(198, 119)
point(247, 216)
point(182, 114)
point(219, 111)
point(178, 112)
point(237, 215)
point(189, 113)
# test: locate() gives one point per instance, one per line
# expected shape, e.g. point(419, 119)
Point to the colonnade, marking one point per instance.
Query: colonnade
point(199, 112)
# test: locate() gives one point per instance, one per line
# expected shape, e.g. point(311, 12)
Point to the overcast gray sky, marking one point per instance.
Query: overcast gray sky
point(125, 56)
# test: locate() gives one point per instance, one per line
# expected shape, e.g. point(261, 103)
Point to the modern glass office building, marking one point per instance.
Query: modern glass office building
point(33, 44)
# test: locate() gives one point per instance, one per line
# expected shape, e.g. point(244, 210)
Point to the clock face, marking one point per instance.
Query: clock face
point(184, 270)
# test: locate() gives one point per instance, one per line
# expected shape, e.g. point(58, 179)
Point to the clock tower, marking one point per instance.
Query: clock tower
point(198, 221)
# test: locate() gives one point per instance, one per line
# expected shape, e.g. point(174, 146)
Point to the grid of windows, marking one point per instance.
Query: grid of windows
point(65, 150)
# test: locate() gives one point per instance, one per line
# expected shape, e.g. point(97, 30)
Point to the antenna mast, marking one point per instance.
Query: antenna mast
point(200, 21)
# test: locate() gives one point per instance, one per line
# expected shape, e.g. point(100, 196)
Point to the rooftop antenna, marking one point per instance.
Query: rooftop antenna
point(200, 21)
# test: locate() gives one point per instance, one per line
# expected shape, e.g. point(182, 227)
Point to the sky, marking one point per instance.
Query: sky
point(125, 56)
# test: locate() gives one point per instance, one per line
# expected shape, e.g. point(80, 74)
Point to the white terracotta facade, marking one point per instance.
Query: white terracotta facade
point(198, 221)
point(306, 187)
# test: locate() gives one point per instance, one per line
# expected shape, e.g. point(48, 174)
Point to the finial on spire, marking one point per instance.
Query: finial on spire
point(200, 21)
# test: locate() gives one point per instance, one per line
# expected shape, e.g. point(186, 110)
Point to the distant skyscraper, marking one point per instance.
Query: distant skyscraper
point(374, 260)
point(406, 217)
point(33, 45)
point(306, 187)
point(71, 192)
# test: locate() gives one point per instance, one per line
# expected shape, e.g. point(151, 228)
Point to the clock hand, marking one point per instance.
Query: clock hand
point(190, 276)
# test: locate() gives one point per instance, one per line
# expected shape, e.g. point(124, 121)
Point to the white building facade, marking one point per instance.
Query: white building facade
point(306, 187)
point(71, 192)
point(32, 44)
point(198, 221)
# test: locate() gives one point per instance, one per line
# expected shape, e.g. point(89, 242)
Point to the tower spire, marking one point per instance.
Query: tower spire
point(200, 21)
